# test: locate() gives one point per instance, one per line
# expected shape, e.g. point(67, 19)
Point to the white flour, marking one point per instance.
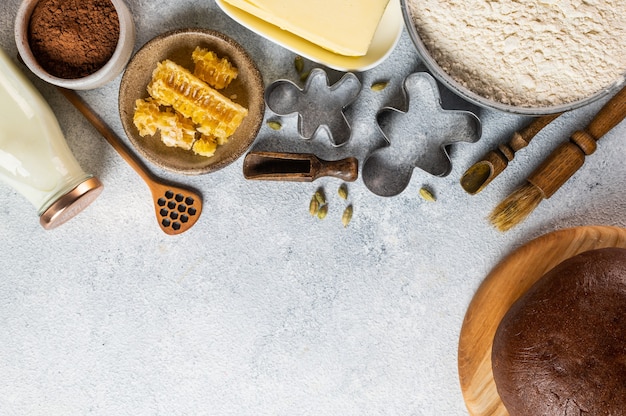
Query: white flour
point(527, 53)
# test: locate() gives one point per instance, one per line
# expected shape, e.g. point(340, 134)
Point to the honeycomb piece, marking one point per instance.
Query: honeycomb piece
point(213, 113)
point(221, 140)
point(176, 130)
point(216, 72)
point(146, 116)
point(205, 145)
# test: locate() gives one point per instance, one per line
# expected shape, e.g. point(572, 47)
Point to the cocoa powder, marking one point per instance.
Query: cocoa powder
point(73, 38)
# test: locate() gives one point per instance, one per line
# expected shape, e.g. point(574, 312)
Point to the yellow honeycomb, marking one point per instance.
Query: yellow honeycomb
point(205, 146)
point(216, 72)
point(186, 108)
point(176, 130)
point(213, 113)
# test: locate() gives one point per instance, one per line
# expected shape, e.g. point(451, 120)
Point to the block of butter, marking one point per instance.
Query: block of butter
point(345, 27)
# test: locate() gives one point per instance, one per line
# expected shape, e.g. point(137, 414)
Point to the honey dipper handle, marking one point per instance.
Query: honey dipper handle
point(566, 159)
point(106, 132)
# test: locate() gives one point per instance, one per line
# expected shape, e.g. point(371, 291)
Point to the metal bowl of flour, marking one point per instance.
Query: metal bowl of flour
point(461, 90)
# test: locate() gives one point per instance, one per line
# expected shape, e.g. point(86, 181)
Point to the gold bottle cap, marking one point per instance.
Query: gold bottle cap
point(70, 204)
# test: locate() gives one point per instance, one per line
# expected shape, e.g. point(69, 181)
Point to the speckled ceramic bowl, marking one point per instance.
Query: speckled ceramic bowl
point(108, 72)
point(247, 90)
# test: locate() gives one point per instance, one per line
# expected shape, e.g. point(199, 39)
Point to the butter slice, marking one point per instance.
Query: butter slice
point(345, 27)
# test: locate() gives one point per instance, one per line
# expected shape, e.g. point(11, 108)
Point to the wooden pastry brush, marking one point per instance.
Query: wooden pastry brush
point(562, 163)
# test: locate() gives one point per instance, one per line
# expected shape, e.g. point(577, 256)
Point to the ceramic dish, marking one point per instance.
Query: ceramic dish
point(107, 73)
point(502, 287)
point(456, 87)
point(247, 90)
point(384, 41)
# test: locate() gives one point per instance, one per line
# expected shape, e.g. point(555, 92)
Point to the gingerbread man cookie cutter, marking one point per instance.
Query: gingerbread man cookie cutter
point(416, 138)
point(320, 106)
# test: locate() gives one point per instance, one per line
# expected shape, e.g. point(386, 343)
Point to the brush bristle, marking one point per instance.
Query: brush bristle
point(516, 207)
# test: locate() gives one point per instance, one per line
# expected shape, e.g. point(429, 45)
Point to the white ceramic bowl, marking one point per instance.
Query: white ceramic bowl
point(385, 39)
point(108, 72)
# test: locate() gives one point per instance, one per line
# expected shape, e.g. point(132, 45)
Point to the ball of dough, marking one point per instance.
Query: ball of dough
point(561, 347)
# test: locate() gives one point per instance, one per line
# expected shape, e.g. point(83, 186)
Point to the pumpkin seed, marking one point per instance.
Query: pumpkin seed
point(427, 194)
point(274, 125)
point(321, 213)
point(298, 62)
point(304, 76)
point(319, 196)
point(379, 86)
point(314, 206)
point(343, 191)
point(347, 215)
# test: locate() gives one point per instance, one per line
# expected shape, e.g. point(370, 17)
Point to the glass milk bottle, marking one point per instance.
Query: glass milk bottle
point(34, 157)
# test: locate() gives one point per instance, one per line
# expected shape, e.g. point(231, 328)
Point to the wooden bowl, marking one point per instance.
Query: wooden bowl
point(247, 90)
point(503, 286)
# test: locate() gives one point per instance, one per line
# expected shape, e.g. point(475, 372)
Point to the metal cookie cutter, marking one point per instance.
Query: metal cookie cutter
point(319, 106)
point(418, 137)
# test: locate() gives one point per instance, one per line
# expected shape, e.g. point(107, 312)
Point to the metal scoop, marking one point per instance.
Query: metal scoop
point(177, 209)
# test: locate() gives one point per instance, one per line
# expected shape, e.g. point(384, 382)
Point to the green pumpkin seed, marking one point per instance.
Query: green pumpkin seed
point(379, 86)
point(314, 206)
point(427, 194)
point(298, 62)
point(321, 213)
point(319, 196)
point(274, 125)
point(347, 216)
point(343, 191)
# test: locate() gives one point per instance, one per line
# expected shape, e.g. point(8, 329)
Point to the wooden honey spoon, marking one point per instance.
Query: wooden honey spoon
point(177, 209)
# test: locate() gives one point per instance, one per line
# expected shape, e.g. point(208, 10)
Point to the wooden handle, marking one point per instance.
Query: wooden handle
point(566, 159)
point(520, 139)
point(480, 174)
point(346, 169)
point(609, 116)
point(523, 137)
point(562, 163)
point(106, 132)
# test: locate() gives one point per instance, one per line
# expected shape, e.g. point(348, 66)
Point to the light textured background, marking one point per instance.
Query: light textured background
point(261, 309)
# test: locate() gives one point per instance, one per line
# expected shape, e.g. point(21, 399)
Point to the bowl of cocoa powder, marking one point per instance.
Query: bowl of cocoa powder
point(75, 44)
